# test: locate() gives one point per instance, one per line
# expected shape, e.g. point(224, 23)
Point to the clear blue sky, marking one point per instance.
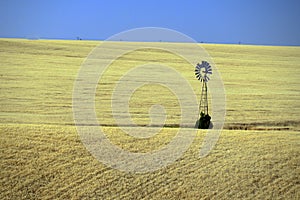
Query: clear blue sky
point(270, 22)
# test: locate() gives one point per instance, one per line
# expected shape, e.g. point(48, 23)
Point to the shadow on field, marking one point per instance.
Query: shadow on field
point(286, 125)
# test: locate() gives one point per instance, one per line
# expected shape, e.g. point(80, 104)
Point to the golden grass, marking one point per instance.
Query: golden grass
point(44, 161)
point(42, 156)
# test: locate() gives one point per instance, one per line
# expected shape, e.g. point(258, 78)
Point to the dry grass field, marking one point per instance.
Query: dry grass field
point(42, 157)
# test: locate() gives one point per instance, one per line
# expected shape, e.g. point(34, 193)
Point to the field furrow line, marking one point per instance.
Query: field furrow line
point(77, 183)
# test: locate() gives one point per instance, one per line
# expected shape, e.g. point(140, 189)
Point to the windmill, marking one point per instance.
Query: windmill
point(202, 72)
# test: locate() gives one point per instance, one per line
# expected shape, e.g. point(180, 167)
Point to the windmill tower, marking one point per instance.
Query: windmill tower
point(202, 73)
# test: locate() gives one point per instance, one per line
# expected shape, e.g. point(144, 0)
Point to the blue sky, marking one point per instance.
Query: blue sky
point(266, 22)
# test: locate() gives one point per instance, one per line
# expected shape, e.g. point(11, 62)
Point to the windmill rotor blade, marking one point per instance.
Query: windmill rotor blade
point(202, 71)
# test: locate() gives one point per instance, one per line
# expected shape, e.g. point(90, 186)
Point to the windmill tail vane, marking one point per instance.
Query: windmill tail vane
point(202, 72)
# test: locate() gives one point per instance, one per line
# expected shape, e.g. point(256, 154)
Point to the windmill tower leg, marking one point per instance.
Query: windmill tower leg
point(203, 106)
point(204, 118)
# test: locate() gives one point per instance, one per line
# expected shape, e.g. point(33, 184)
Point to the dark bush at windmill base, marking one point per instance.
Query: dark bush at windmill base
point(204, 121)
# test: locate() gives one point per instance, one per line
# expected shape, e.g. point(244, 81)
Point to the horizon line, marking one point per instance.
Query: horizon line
point(158, 41)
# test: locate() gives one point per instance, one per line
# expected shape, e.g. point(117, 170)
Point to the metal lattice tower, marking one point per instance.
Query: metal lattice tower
point(202, 72)
point(203, 106)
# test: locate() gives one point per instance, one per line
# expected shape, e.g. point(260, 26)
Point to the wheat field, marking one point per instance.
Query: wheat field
point(42, 156)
